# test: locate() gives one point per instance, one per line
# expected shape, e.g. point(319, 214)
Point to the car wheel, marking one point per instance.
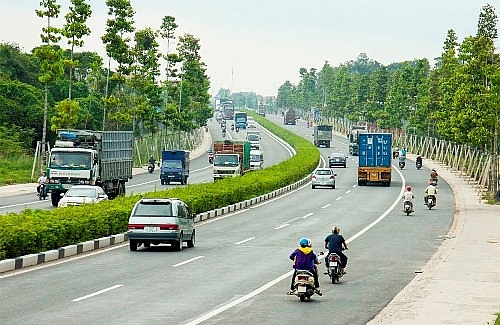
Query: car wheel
point(333, 186)
point(179, 244)
point(147, 244)
point(133, 245)
point(313, 187)
point(190, 242)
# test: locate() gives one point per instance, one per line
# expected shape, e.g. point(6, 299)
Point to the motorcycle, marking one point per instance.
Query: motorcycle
point(210, 157)
point(223, 133)
point(151, 168)
point(407, 208)
point(237, 129)
point(430, 201)
point(304, 285)
point(334, 270)
point(232, 127)
point(42, 193)
point(434, 181)
point(402, 164)
point(418, 164)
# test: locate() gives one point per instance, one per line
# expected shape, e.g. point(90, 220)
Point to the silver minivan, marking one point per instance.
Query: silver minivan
point(160, 221)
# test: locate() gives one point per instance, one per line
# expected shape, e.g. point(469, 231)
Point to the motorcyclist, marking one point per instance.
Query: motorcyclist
point(304, 259)
point(430, 191)
point(152, 161)
point(41, 180)
point(402, 160)
point(434, 175)
point(408, 196)
point(395, 152)
point(418, 160)
point(232, 127)
point(335, 243)
point(403, 152)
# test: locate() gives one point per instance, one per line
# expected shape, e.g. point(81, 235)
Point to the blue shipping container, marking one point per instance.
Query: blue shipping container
point(375, 149)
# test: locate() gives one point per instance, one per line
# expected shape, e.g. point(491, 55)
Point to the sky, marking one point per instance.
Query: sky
point(255, 46)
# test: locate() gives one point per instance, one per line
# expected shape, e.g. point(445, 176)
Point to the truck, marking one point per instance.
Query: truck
point(83, 157)
point(174, 166)
point(254, 138)
point(322, 135)
point(374, 165)
point(256, 159)
point(228, 110)
point(261, 110)
point(290, 117)
point(353, 136)
point(231, 158)
point(240, 120)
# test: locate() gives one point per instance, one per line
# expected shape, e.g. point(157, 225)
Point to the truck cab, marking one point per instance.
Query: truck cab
point(256, 159)
point(254, 138)
point(174, 166)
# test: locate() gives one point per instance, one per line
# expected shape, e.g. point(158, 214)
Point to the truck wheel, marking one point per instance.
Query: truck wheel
point(121, 189)
point(360, 183)
point(162, 182)
point(133, 245)
point(54, 198)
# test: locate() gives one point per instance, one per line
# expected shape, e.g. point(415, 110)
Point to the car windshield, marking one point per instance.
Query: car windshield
point(70, 159)
point(253, 137)
point(81, 192)
point(171, 164)
point(226, 160)
point(154, 209)
point(255, 158)
point(323, 172)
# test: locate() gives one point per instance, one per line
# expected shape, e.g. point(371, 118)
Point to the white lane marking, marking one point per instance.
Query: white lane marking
point(20, 204)
point(239, 300)
point(338, 198)
point(307, 215)
point(325, 206)
point(282, 226)
point(98, 292)
point(244, 240)
point(288, 274)
point(188, 261)
point(354, 185)
point(348, 192)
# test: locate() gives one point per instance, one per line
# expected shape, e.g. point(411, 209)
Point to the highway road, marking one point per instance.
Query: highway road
point(239, 271)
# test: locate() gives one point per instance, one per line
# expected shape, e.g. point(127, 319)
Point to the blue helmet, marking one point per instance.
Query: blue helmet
point(304, 242)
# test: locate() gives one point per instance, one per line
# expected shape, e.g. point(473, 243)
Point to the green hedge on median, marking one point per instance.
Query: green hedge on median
point(33, 231)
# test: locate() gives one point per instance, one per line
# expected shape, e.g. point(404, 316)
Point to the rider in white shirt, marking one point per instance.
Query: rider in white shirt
point(408, 196)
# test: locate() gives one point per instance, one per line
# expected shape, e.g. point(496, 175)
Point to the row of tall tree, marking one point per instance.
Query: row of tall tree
point(55, 87)
point(456, 99)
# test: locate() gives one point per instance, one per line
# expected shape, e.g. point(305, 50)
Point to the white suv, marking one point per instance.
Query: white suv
point(160, 221)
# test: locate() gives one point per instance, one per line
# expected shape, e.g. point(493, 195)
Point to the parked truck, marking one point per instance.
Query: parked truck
point(322, 135)
point(231, 158)
point(174, 166)
point(354, 138)
point(82, 157)
point(290, 117)
point(375, 151)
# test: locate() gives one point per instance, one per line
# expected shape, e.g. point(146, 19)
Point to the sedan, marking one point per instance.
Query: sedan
point(323, 177)
point(337, 159)
point(80, 194)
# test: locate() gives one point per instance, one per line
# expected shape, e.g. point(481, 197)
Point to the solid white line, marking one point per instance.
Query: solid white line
point(245, 240)
point(338, 198)
point(239, 300)
point(98, 292)
point(188, 261)
point(20, 204)
point(307, 215)
point(282, 226)
point(325, 206)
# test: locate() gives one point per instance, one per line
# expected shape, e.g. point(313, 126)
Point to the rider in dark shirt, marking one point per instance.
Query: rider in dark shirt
point(335, 243)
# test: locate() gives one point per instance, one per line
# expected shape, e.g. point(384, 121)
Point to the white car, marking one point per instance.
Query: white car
point(80, 194)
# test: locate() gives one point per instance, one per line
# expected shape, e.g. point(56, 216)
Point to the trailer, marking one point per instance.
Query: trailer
point(374, 165)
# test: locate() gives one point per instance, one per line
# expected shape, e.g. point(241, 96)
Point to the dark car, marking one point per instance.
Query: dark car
point(337, 159)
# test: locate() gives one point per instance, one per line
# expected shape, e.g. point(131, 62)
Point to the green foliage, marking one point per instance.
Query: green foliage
point(67, 113)
point(34, 231)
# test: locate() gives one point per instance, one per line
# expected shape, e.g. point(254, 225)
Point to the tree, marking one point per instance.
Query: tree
point(51, 67)
point(75, 29)
point(487, 22)
point(67, 112)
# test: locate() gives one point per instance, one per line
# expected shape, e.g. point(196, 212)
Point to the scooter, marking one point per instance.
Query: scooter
point(210, 157)
point(418, 164)
point(237, 129)
point(407, 208)
point(334, 270)
point(42, 193)
point(151, 168)
point(434, 181)
point(304, 285)
point(232, 127)
point(401, 164)
point(430, 201)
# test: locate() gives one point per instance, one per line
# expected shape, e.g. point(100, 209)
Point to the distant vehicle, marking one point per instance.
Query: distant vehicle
point(256, 159)
point(323, 177)
point(161, 221)
point(261, 110)
point(174, 166)
point(231, 158)
point(289, 117)
point(254, 138)
point(81, 194)
point(337, 159)
point(240, 120)
point(354, 138)
point(251, 125)
point(322, 135)
point(228, 110)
